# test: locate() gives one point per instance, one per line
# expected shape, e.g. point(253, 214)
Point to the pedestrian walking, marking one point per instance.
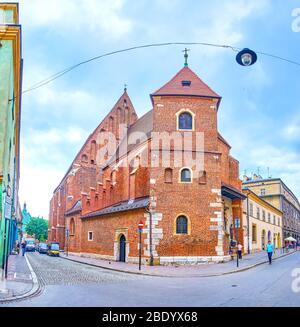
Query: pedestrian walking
point(240, 249)
point(270, 249)
point(23, 245)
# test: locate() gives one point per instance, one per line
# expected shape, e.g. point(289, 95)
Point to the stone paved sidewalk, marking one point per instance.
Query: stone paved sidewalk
point(19, 279)
point(200, 270)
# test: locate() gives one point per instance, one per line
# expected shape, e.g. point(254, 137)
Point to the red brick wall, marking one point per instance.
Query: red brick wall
point(192, 200)
point(74, 238)
point(104, 232)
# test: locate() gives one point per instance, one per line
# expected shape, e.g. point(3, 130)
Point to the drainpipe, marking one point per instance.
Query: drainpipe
point(248, 224)
point(150, 234)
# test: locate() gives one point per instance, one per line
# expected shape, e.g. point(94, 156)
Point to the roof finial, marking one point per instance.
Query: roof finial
point(125, 87)
point(186, 57)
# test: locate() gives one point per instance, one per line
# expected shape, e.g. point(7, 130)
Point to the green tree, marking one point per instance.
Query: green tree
point(38, 227)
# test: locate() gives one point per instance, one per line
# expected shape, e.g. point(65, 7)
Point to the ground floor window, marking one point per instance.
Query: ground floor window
point(254, 233)
point(90, 236)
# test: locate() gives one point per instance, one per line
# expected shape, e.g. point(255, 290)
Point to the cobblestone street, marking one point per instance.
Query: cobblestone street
point(57, 271)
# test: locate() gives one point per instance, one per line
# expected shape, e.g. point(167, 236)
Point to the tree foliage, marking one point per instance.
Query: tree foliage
point(38, 227)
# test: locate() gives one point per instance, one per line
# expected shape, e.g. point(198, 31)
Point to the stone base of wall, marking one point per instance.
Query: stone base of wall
point(145, 261)
point(161, 260)
point(193, 260)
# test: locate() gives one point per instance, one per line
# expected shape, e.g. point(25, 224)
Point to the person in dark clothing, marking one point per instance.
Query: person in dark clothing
point(23, 245)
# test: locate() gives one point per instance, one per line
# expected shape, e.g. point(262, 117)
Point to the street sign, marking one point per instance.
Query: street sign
point(8, 208)
point(141, 225)
point(237, 223)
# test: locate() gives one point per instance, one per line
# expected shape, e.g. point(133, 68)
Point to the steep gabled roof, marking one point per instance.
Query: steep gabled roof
point(119, 103)
point(143, 125)
point(176, 86)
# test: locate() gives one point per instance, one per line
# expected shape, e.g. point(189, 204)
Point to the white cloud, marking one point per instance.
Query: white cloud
point(101, 16)
point(292, 131)
point(224, 25)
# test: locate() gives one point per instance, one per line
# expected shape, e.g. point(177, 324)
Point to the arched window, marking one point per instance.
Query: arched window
point(93, 151)
point(72, 226)
point(84, 158)
point(185, 121)
point(111, 123)
point(181, 225)
point(113, 177)
point(186, 175)
point(168, 175)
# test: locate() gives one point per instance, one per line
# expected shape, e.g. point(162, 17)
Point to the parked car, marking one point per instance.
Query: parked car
point(30, 246)
point(43, 248)
point(53, 249)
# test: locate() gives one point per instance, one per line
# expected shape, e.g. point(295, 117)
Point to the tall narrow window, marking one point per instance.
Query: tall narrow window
point(93, 151)
point(186, 175)
point(113, 177)
point(181, 225)
point(168, 175)
point(111, 123)
point(72, 227)
point(251, 209)
point(254, 233)
point(90, 236)
point(257, 213)
point(185, 121)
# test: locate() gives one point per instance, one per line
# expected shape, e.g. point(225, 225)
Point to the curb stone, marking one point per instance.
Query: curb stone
point(36, 288)
point(172, 276)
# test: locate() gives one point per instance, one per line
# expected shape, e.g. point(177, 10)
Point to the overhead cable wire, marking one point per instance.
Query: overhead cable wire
point(69, 69)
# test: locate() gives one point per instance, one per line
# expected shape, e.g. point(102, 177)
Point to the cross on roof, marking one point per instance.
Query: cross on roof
point(186, 56)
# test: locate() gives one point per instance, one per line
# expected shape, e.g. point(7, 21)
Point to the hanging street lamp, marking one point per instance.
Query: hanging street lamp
point(246, 57)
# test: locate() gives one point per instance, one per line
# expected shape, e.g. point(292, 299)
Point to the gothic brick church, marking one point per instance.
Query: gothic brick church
point(170, 169)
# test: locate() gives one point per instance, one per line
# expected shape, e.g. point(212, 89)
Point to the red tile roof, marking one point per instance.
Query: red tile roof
point(197, 87)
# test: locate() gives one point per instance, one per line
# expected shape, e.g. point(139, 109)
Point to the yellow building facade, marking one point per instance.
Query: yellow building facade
point(276, 192)
point(263, 222)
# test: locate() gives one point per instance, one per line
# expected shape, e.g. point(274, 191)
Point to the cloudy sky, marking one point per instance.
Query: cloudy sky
point(259, 114)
